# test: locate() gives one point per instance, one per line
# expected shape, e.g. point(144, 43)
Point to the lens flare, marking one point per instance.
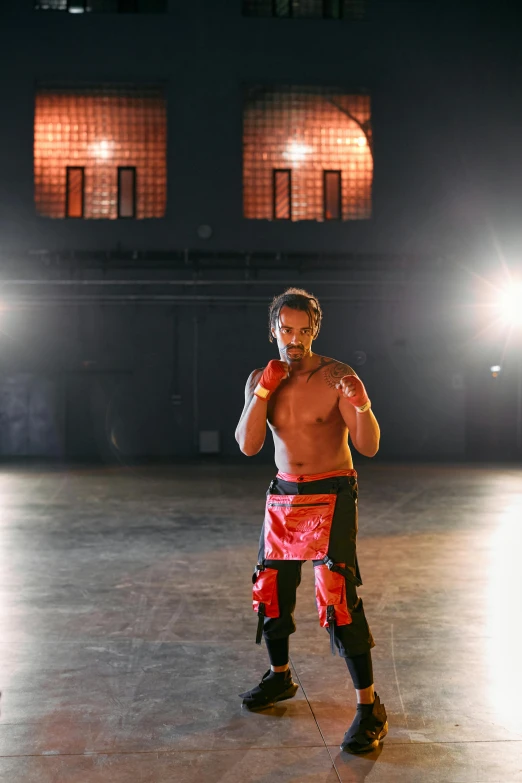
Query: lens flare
point(510, 305)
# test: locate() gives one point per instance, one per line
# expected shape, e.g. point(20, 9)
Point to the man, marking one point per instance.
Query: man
point(311, 403)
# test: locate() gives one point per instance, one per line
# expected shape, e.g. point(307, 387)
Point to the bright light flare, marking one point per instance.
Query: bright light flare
point(102, 150)
point(296, 152)
point(510, 305)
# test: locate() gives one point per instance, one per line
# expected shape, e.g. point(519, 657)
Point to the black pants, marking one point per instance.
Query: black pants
point(350, 640)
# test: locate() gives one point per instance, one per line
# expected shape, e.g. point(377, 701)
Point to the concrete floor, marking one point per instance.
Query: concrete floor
point(127, 629)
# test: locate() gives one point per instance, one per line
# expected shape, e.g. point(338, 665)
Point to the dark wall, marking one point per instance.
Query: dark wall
point(134, 379)
point(445, 84)
point(111, 372)
point(132, 376)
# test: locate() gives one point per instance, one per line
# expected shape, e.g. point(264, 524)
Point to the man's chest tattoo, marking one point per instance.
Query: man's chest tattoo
point(332, 371)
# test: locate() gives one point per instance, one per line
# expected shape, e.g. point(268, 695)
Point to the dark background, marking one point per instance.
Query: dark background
point(138, 368)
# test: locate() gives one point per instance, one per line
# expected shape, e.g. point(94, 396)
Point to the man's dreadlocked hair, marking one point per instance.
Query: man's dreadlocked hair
point(296, 299)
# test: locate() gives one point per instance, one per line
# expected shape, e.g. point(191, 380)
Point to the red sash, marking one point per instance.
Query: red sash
point(316, 476)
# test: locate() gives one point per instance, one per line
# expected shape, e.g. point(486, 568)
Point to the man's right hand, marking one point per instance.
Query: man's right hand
point(273, 374)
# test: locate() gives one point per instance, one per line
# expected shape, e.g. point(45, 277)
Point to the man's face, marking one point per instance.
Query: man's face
point(294, 334)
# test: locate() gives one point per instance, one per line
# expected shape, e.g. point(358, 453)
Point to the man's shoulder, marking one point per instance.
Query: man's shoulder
point(253, 378)
point(332, 370)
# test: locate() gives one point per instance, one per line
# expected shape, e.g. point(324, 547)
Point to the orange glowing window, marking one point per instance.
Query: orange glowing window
point(313, 9)
point(323, 138)
point(74, 191)
point(282, 190)
point(100, 130)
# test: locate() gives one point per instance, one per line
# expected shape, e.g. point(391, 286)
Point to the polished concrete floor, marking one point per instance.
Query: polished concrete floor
point(127, 630)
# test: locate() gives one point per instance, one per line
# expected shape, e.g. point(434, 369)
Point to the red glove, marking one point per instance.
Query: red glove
point(273, 374)
point(352, 388)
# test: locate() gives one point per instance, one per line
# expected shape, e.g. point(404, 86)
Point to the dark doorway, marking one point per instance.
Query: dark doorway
point(31, 416)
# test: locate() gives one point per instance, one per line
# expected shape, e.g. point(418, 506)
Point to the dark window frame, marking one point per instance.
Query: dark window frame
point(134, 192)
point(289, 15)
point(344, 11)
point(340, 200)
point(37, 6)
point(327, 15)
point(137, 9)
point(275, 172)
point(134, 10)
point(68, 169)
point(76, 3)
point(85, 6)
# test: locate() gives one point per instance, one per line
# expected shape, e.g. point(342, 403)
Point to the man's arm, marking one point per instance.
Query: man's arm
point(366, 433)
point(364, 427)
point(251, 428)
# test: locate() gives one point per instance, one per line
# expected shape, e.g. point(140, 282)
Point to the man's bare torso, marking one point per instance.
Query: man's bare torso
point(310, 435)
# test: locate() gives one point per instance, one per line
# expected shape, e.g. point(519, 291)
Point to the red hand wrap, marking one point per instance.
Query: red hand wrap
point(360, 397)
point(272, 376)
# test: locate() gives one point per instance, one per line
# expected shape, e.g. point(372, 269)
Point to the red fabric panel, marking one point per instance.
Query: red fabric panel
point(265, 591)
point(316, 476)
point(297, 527)
point(330, 590)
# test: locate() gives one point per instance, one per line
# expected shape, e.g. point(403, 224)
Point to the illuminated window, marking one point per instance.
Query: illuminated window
point(103, 6)
point(101, 129)
point(320, 135)
point(315, 9)
point(282, 193)
point(332, 195)
point(74, 191)
point(126, 192)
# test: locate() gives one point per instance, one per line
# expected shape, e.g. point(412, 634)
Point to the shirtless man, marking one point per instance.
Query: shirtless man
point(311, 403)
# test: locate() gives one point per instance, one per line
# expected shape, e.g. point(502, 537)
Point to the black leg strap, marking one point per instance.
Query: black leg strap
point(260, 622)
point(330, 616)
point(339, 570)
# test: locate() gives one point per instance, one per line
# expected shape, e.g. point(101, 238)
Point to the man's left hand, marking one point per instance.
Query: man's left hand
point(352, 388)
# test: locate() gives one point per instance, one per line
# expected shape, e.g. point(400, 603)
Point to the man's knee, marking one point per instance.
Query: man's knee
point(356, 638)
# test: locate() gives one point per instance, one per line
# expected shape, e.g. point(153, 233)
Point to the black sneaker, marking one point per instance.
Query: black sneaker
point(275, 686)
point(367, 729)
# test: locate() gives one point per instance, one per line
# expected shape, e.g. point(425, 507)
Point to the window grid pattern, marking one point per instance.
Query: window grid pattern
point(314, 9)
point(309, 130)
point(100, 129)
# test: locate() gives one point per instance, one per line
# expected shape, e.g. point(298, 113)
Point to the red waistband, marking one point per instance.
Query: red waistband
point(316, 476)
